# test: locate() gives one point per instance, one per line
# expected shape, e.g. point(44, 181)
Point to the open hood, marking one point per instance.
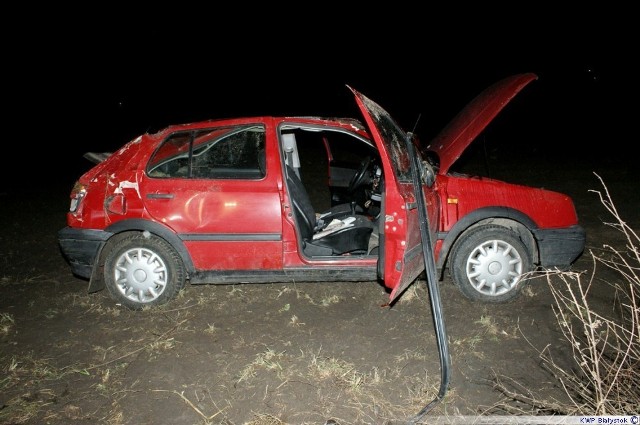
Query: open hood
point(465, 127)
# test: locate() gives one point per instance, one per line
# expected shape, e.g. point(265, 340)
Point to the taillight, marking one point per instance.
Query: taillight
point(77, 195)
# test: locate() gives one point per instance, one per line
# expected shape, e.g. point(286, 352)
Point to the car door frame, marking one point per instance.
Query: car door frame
point(401, 244)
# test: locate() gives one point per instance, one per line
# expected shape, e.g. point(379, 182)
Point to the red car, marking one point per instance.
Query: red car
point(279, 199)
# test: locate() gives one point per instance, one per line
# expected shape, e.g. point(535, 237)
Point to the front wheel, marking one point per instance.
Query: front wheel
point(487, 263)
point(143, 270)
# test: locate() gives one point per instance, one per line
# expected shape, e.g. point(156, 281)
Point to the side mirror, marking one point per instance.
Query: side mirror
point(427, 174)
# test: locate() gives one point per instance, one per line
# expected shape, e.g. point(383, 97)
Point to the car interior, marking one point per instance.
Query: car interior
point(346, 227)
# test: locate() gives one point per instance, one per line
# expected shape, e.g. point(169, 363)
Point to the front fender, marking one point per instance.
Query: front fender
point(474, 217)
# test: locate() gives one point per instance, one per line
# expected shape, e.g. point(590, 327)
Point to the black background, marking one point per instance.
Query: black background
point(79, 80)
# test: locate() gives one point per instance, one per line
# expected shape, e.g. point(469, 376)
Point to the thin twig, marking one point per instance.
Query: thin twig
point(139, 349)
point(186, 400)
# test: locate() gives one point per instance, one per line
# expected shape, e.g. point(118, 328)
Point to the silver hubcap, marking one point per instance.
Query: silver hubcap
point(494, 268)
point(141, 275)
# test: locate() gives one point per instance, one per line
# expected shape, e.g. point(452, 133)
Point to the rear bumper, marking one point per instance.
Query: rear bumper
point(560, 247)
point(80, 248)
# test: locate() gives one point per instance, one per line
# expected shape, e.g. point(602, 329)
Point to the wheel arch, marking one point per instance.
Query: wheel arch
point(96, 282)
point(510, 218)
point(157, 229)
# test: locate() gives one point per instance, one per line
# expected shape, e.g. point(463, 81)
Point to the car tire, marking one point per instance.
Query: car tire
point(487, 263)
point(142, 269)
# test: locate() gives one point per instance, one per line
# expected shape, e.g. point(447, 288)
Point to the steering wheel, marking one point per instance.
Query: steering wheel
point(359, 177)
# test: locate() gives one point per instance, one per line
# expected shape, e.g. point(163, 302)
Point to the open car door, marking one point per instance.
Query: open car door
point(407, 233)
point(401, 260)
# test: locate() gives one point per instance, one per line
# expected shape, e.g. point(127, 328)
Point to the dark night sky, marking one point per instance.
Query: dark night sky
point(94, 86)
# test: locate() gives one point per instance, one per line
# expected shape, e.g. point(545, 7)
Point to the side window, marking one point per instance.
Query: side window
point(237, 155)
point(172, 157)
point(347, 151)
point(218, 153)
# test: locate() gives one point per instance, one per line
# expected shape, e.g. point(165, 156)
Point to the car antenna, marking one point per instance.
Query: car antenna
point(413, 130)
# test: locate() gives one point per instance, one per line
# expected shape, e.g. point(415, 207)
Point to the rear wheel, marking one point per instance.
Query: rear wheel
point(487, 263)
point(142, 269)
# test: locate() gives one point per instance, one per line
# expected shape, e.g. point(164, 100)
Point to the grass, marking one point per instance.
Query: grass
point(267, 360)
point(6, 323)
point(351, 390)
point(604, 377)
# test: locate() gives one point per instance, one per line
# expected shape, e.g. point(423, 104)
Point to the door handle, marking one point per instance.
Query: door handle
point(160, 195)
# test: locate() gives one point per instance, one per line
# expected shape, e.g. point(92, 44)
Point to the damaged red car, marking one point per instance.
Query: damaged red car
point(283, 199)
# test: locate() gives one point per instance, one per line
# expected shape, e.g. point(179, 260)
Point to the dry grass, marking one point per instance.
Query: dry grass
point(605, 345)
point(263, 419)
point(30, 386)
point(6, 323)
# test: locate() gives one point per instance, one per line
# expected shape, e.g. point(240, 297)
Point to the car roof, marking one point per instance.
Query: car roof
point(349, 124)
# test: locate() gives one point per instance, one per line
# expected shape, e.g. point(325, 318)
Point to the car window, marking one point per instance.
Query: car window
point(393, 136)
point(213, 153)
point(346, 150)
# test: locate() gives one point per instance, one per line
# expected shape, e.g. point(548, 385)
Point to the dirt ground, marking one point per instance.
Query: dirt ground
point(274, 353)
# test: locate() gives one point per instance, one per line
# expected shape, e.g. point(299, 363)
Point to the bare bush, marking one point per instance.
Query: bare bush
point(605, 345)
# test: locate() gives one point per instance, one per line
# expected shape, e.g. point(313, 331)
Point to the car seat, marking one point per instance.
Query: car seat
point(340, 233)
